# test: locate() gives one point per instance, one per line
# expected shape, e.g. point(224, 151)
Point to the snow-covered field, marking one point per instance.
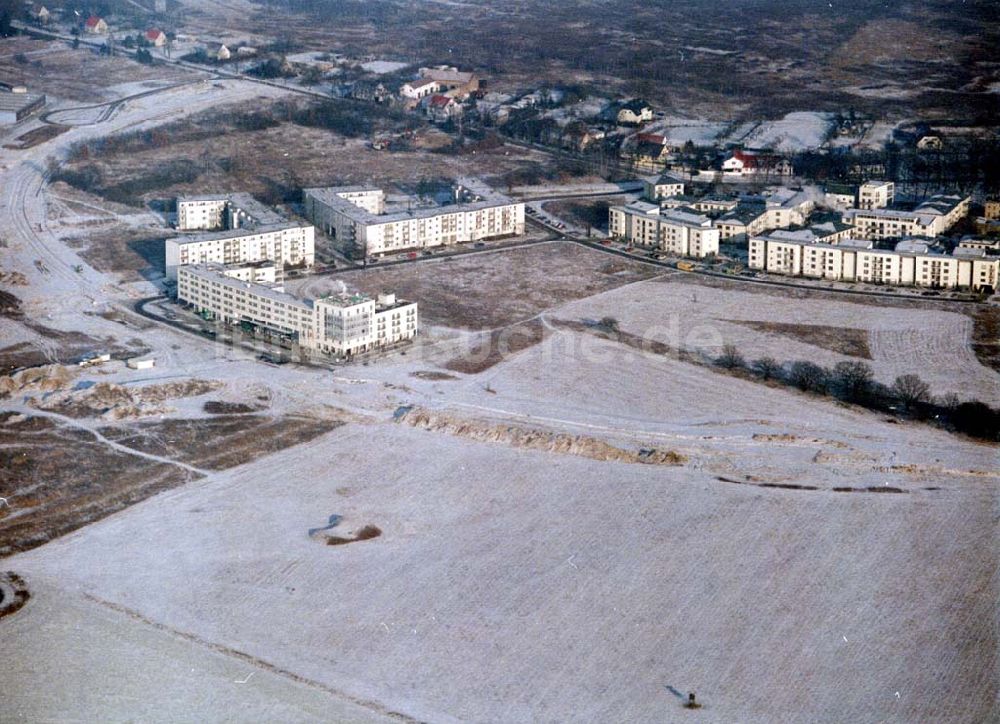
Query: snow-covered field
point(930, 343)
point(512, 584)
point(800, 131)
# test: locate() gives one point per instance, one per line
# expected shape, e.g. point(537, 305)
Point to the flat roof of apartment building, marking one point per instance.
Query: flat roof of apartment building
point(487, 198)
point(245, 202)
point(216, 273)
point(906, 247)
point(203, 236)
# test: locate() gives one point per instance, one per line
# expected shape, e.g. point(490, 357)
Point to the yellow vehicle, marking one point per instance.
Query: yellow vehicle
point(685, 266)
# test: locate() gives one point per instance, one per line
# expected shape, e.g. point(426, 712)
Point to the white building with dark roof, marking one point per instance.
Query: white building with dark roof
point(288, 244)
point(358, 216)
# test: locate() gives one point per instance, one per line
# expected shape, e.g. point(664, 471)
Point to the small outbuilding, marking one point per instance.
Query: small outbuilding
point(156, 37)
point(17, 105)
point(96, 25)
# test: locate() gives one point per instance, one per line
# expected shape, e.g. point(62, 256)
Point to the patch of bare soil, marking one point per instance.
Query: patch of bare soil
point(54, 68)
point(789, 438)
point(118, 402)
point(218, 443)
point(72, 346)
point(432, 375)
point(487, 291)
point(57, 479)
point(135, 254)
point(986, 336)
point(843, 340)
point(497, 345)
point(643, 344)
point(220, 407)
point(36, 137)
point(10, 304)
point(14, 593)
point(805, 292)
point(14, 278)
point(367, 532)
point(534, 439)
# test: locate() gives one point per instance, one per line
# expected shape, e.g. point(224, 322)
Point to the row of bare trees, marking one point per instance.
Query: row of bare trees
point(854, 381)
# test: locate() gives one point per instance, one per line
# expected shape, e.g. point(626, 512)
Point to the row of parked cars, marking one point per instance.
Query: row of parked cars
point(531, 210)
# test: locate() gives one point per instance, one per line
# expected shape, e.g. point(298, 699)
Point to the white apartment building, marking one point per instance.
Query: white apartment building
point(659, 187)
point(417, 89)
point(911, 263)
point(222, 212)
point(341, 325)
point(358, 216)
point(742, 223)
point(876, 195)
point(931, 218)
point(287, 244)
point(840, 197)
point(672, 230)
point(787, 207)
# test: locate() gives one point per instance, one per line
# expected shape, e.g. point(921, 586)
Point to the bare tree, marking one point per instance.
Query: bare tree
point(911, 391)
point(853, 379)
point(808, 376)
point(767, 368)
point(950, 401)
point(730, 358)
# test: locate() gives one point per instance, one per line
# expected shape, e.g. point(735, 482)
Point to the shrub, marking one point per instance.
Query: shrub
point(977, 419)
point(911, 391)
point(730, 358)
point(808, 376)
point(767, 368)
point(853, 380)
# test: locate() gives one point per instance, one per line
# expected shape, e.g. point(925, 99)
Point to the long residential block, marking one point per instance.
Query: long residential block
point(342, 325)
point(931, 218)
point(287, 245)
point(911, 262)
point(357, 215)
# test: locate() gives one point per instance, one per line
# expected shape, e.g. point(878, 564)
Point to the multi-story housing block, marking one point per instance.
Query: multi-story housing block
point(931, 218)
point(288, 245)
point(911, 262)
point(222, 212)
point(341, 325)
point(876, 195)
point(358, 216)
point(663, 186)
point(675, 231)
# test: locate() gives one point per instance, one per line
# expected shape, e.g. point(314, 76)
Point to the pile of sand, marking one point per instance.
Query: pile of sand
point(44, 379)
point(14, 278)
point(533, 439)
point(111, 401)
